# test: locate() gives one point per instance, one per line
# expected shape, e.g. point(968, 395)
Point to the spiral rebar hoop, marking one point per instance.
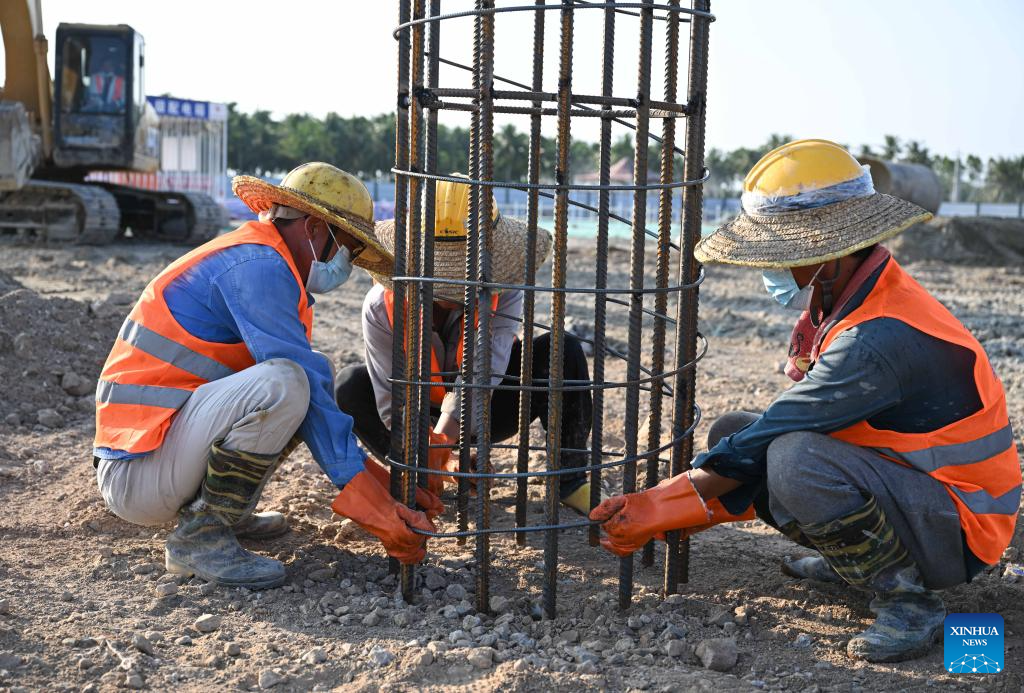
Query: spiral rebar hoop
point(648, 364)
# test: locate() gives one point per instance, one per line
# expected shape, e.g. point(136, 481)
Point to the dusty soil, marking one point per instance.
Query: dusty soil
point(85, 603)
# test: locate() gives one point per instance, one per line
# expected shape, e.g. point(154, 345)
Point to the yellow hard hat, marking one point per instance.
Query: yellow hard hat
point(801, 166)
point(804, 203)
point(451, 209)
point(326, 192)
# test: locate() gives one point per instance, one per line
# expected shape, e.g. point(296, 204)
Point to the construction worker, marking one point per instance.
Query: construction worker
point(106, 86)
point(892, 456)
point(213, 374)
point(364, 391)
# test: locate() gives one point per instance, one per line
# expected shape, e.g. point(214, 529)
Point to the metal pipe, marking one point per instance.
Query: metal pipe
point(636, 280)
point(677, 553)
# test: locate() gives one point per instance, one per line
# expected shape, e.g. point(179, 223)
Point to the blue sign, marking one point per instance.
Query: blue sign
point(187, 108)
point(973, 644)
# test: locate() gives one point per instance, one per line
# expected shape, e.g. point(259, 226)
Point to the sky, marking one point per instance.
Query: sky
point(945, 72)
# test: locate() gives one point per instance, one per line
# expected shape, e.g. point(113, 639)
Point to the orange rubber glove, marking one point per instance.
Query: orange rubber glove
point(430, 503)
point(369, 505)
point(719, 516)
point(632, 520)
point(440, 459)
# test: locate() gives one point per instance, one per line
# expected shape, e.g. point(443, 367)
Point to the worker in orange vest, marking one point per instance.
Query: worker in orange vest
point(364, 391)
point(212, 379)
point(892, 456)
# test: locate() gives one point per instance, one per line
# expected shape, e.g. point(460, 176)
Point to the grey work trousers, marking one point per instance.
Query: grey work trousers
point(813, 478)
point(255, 410)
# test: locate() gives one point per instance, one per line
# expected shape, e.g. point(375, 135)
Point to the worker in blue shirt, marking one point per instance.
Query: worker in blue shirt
point(212, 379)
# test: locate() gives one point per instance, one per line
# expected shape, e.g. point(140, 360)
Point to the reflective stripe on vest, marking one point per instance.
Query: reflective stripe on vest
point(975, 457)
point(437, 392)
point(155, 364)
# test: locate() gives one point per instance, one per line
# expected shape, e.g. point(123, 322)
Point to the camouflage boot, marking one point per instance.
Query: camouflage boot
point(808, 567)
point(204, 543)
point(266, 525)
point(863, 550)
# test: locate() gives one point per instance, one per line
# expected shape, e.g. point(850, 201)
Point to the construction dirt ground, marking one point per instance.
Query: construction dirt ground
point(85, 603)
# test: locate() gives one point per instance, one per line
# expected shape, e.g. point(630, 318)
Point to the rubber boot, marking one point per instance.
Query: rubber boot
point(267, 525)
point(809, 568)
point(204, 543)
point(863, 549)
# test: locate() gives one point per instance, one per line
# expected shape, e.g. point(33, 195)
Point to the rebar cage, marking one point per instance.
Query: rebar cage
point(654, 374)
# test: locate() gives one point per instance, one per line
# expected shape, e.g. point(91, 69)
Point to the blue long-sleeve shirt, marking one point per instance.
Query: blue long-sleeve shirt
point(882, 371)
point(247, 293)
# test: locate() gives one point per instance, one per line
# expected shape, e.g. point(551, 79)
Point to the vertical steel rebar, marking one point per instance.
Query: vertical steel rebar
point(482, 400)
point(398, 364)
point(601, 274)
point(413, 308)
point(468, 369)
point(533, 200)
point(677, 558)
point(636, 279)
point(668, 140)
point(554, 427)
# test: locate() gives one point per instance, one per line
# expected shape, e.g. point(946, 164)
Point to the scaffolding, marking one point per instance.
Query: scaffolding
point(663, 376)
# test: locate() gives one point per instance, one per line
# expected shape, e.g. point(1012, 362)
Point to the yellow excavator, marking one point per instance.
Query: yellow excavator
point(93, 117)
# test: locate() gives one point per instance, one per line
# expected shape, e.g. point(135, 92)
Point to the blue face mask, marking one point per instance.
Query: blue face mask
point(328, 276)
point(784, 289)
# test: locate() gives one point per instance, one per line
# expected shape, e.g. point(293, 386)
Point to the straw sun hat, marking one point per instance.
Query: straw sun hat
point(508, 243)
point(805, 203)
point(326, 192)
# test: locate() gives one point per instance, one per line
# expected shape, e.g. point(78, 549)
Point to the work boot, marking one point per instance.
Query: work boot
point(261, 526)
point(810, 568)
point(864, 550)
point(267, 525)
point(204, 543)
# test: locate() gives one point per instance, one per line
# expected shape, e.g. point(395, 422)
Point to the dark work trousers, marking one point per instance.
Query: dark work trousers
point(355, 397)
point(815, 478)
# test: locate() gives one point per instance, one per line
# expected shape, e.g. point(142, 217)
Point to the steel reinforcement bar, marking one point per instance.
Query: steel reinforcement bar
point(421, 98)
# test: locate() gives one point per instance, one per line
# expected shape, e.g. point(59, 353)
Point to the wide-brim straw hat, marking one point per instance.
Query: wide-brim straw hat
point(509, 237)
point(809, 236)
point(807, 202)
point(326, 192)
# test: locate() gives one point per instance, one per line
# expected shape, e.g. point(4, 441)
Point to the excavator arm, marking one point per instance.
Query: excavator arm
point(28, 76)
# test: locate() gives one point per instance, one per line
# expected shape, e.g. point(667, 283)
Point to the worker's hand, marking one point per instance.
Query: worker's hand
point(425, 499)
point(441, 459)
point(632, 520)
point(369, 505)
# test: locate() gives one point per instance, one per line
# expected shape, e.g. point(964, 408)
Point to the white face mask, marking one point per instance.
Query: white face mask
point(784, 289)
point(328, 276)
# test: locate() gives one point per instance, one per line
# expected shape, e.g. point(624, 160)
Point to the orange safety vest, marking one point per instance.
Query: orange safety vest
point(975, 457)
point(156, 365)
point(437, 392)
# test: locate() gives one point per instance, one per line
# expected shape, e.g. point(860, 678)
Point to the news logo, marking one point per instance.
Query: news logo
point(973, 644)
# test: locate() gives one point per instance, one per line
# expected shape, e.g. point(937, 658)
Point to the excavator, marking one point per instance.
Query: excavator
point(92, 117)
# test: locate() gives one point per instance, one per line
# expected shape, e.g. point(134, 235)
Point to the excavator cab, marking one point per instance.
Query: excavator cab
point(101, 117)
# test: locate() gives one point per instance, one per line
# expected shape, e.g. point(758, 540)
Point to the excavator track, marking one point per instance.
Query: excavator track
point(179, 217)
point(60, 212)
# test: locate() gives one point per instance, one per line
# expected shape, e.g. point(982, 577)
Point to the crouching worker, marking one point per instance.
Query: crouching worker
point(365, 393)
point(892, 456)
point(212, 374)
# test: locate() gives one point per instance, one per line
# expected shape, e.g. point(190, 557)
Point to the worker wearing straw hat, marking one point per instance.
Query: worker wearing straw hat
point(212, 378)
point(892, 456)
point(365, 391)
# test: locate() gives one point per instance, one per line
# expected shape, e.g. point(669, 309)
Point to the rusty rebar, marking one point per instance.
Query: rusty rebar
point(398, 366)
point(636, 281)
point(677, 558)
point(668, 136)
point(533, 204)
point(554, 427)
point(601, 273)
point(483, 227)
